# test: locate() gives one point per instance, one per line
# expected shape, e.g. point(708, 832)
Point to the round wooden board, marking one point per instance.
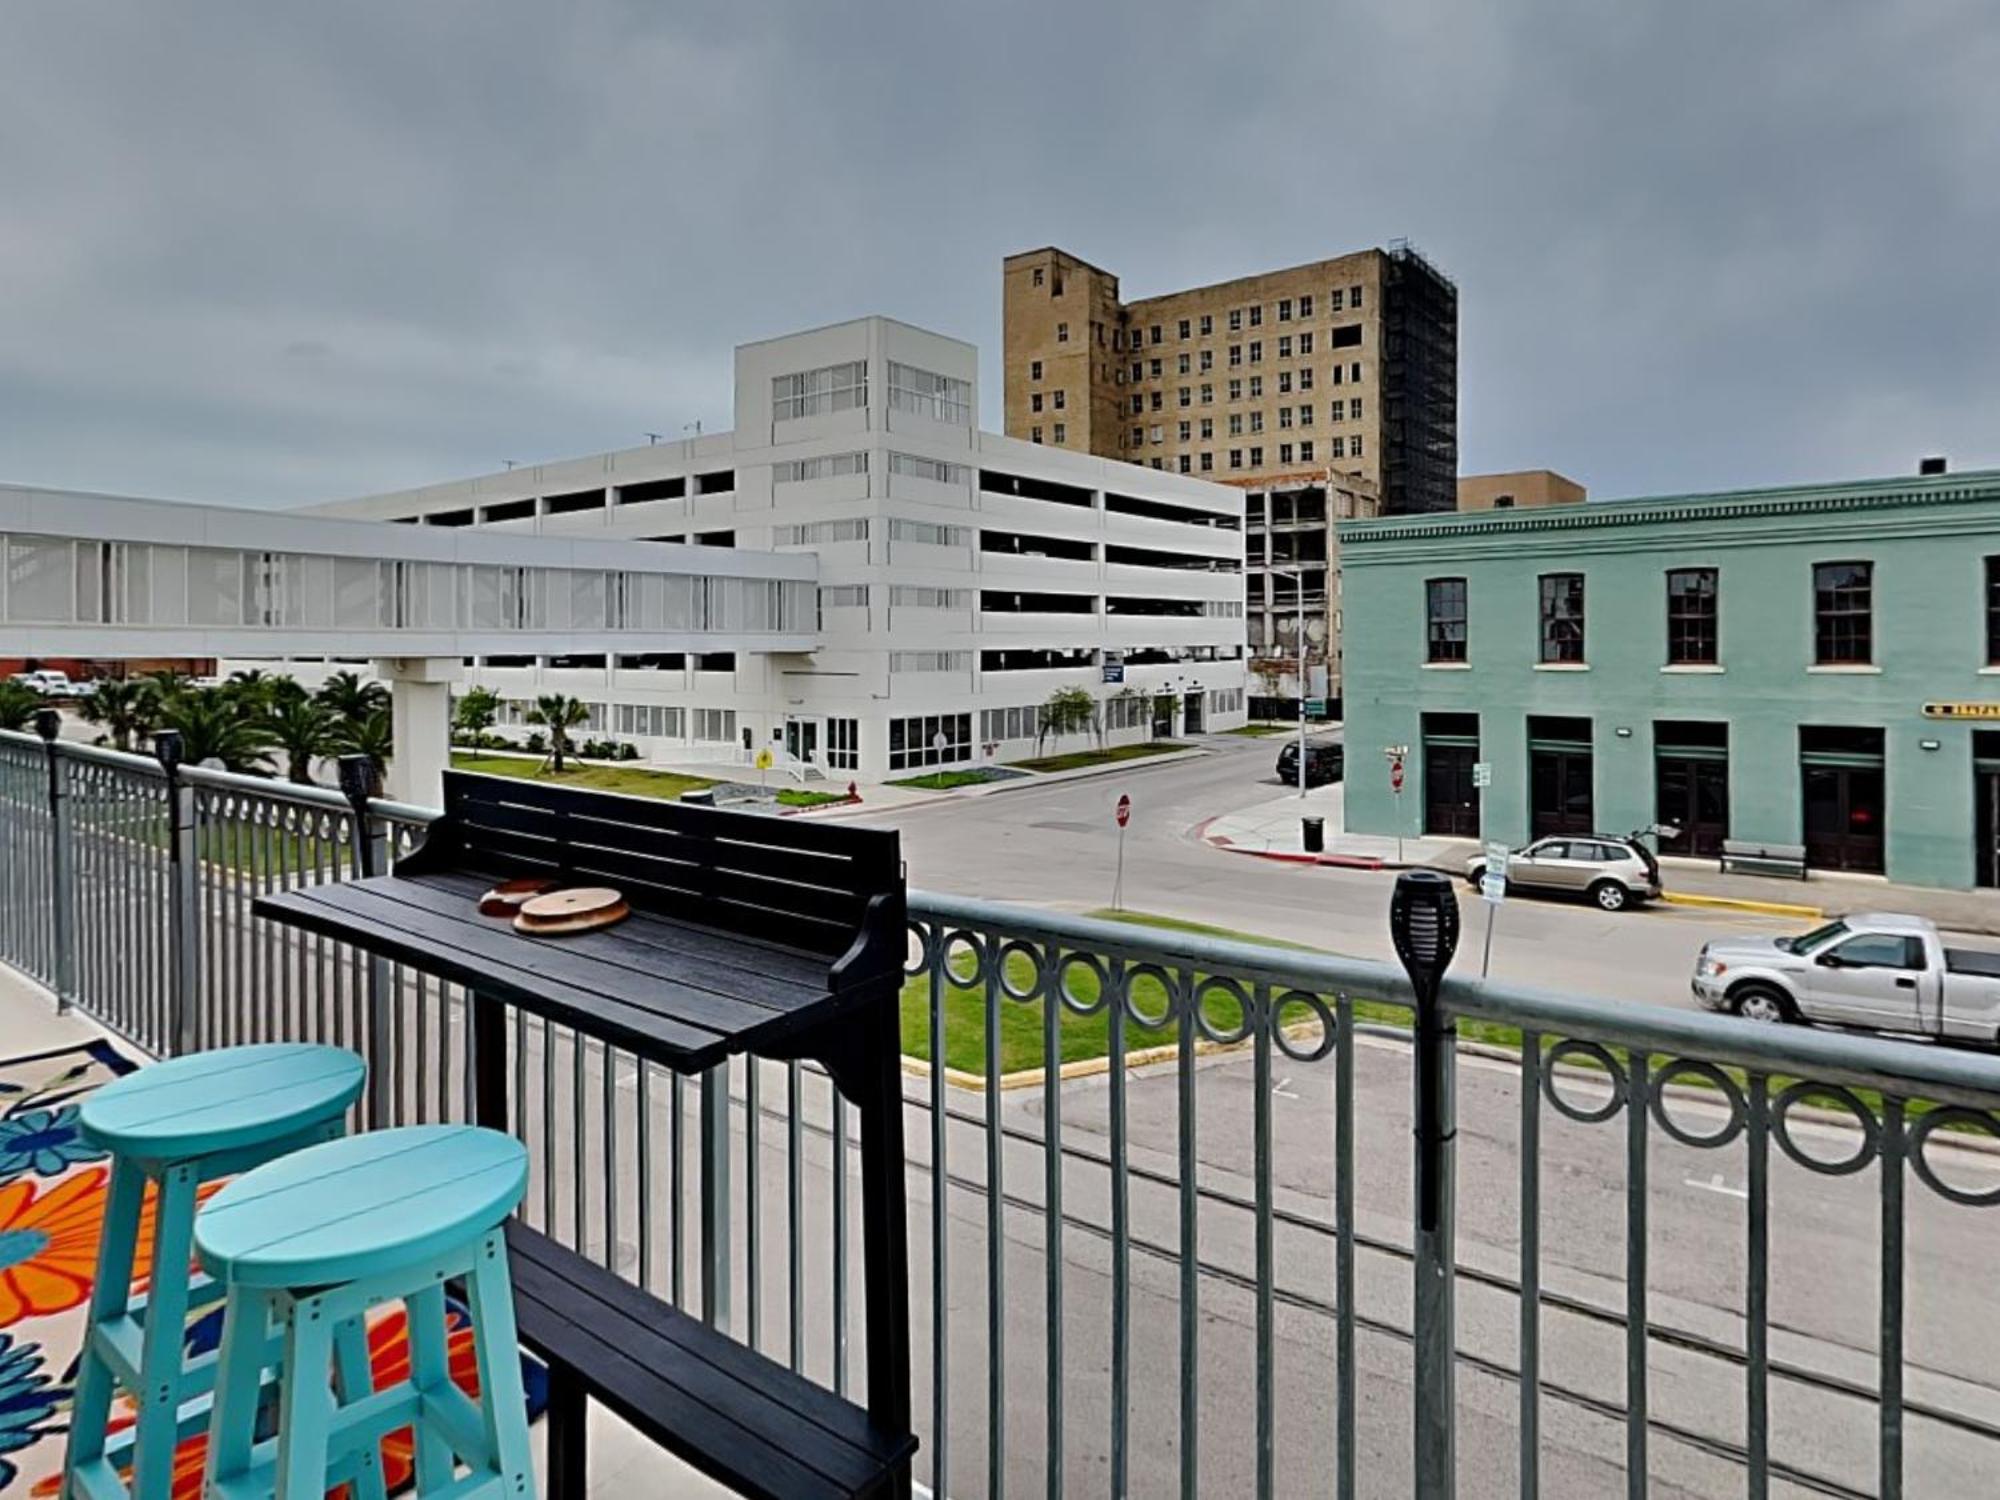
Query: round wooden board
point(584, 909)
point(507, 898)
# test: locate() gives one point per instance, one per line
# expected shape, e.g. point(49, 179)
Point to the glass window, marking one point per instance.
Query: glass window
point(1993, 611)
point(1843, 612)
point(841, 387)
point(1562, 617)
point(939, 397)
point(1691, 616)
point(1444, 613)
point(1880, 950)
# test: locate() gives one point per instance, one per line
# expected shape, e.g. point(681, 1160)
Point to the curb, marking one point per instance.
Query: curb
point(1736, 903)
point(1373, 862)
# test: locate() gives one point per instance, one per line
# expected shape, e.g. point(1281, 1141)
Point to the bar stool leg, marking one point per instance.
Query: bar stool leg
point(110, 1297)
point(430, 1370)
point(356, 1380)
point(306, 1407)
point(159, 1393)
point(239, 1381)
point(502, 1402)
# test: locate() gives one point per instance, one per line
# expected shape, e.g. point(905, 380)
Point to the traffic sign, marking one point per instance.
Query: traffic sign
point(1123, 812)
point(765, 760)
point(1315, 708)
point(1493, 887)
point(1482, 773)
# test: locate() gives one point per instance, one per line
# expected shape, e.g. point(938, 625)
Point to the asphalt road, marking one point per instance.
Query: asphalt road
point(1057, 845)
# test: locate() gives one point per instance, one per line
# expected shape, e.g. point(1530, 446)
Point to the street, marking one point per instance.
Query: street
point(1056, 845)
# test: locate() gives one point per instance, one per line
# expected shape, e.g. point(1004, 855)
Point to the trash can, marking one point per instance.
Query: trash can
point(1315, 834)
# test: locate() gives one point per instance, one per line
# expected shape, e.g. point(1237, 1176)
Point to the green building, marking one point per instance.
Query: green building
point(1815, 666)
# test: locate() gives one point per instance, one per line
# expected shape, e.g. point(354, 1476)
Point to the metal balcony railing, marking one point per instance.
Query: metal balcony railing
point(1216, 1264)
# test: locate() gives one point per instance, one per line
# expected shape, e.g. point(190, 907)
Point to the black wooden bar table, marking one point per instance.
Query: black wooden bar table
point(768, 936)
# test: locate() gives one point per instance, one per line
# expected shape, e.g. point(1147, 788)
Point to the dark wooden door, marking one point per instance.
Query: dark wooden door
point(1693, 795)
point(1559, 795)
point(1843, 817)
point(1451, 802)
point(1986, 828)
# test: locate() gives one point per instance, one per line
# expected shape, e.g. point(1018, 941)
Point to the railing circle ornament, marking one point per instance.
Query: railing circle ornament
point(1714, 1078)
point(1136, 1012)
point(1290, 1046)
point(922, 948)
point(1597, 1053)
point(1246, 1009)
point(1920, 1134)
point(958, 948)
point(1003, 966)
point(1864, 1122)
point(1066, 991)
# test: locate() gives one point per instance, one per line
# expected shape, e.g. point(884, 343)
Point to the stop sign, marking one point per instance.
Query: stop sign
point(1124, 810)
point(1395, 775)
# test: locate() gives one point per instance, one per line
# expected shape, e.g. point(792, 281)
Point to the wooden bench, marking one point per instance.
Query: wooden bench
point(1754, 857)
point(745, 1421)
point(748, 934)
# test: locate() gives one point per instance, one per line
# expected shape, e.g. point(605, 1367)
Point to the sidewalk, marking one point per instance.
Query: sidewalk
point(1271, 829)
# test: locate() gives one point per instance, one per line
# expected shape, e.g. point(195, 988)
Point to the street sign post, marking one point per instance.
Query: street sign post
point(1493, 887)
point(1395, 754)
point(940, 742)
point(1121, 810)
point(764, 760)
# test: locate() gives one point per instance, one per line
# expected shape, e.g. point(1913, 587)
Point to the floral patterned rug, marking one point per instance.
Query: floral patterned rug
point(52, 1192)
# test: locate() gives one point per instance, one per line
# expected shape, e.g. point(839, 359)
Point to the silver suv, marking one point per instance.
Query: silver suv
point(1613, 872)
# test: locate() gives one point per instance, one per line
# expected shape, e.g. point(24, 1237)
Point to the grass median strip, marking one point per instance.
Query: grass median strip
point(1077, 760)
point(632, 780)
point(1089, 1036)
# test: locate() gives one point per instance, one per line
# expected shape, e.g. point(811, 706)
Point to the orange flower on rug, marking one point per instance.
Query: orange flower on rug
point(48, 1242)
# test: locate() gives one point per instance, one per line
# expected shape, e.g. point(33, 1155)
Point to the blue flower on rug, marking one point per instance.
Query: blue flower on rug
point(28, 1400)
point(47, 1142)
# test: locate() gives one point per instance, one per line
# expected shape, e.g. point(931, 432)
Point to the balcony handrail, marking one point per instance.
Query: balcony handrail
point(1947, 1075)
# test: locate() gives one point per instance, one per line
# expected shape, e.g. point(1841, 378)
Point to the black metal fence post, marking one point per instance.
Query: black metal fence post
point(62, 865)
point(183, 900)
point(368, 847)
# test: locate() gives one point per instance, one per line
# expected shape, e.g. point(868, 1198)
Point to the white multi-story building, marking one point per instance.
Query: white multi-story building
point(963, 576)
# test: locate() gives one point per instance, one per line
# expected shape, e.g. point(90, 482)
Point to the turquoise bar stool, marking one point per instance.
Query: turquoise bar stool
point(174, 1127)
point(305, 1246)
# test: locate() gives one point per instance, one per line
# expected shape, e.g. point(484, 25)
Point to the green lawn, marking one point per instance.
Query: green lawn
point(1261, 731)
point(944, 781)
point(793, 796)
point(631, 780)
point(1021, 1022)
point(1076, 760)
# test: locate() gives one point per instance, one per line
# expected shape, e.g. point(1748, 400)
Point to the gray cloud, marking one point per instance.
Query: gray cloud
point(270, 254)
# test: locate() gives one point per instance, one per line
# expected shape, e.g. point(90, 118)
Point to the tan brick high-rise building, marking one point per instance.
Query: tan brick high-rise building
point(1328, 390)
point(1344, 367)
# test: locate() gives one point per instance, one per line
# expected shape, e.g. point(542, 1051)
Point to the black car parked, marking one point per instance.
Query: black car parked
point(1325, 761)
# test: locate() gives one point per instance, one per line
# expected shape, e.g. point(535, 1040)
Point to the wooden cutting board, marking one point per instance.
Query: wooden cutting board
point(583, 909)
point(507, 898)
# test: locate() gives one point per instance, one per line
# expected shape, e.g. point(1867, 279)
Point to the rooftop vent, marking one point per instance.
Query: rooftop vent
point(1931, 465)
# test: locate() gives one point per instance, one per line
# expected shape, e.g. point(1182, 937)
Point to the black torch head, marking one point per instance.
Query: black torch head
point(1423, 924)
point(167, 749)
point(48, 724)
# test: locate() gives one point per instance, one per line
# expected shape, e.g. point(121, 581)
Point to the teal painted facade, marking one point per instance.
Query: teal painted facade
point(1928, 540)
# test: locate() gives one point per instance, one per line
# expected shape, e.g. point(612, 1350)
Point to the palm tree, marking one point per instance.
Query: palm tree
point(125, 710)
point(302, 731)
point(214, 726)
point(18, 704)
point(372, 735)
point(559, 714)
point(351, 698)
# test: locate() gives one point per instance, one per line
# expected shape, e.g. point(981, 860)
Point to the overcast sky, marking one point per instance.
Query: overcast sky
point(270, 253)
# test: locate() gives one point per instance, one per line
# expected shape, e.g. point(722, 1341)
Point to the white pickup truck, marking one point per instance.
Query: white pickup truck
point(1873, 970)
point(53, 684)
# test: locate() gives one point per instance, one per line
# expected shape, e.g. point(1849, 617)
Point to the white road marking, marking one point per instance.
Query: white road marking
point(1282, 1088)
point(1715, 1184)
